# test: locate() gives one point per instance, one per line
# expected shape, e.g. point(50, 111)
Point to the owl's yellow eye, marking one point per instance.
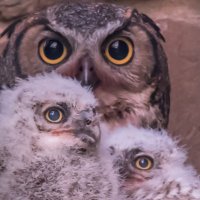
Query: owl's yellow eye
point(54, 115)
point(53, 51)
point(143, 162)
point(119, 51)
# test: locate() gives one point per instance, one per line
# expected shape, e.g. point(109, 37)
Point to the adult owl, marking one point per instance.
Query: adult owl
point(114, 49)
point(49, 143)
point(152, 166)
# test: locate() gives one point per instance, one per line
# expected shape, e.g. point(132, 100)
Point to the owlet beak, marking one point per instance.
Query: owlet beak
point(87, 127)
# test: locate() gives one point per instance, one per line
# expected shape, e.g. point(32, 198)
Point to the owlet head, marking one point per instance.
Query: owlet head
point(52, 111)
point(141, 155)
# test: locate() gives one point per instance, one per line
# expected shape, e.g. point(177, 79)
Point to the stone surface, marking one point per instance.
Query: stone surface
point(183, 47)
point(180, 22)
point(10, 9)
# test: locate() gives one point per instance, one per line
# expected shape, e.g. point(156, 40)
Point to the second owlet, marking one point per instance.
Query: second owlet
point(152, 166)
point(114, 49)
point(48, 146)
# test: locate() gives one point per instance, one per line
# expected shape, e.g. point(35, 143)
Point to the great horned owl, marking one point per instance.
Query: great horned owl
point(114, 49)
point(48, 147)
point(152, 166)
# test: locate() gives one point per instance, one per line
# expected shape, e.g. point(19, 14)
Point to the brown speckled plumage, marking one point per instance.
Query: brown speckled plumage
point(140, 87)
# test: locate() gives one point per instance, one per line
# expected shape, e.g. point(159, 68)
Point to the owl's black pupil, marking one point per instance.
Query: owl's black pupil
point(143, 163)
point(118, 50)
point(53, 49)
point(54, 115)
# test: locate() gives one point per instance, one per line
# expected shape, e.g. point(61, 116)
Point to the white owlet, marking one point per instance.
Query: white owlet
point(152, 166)
point(49, 139)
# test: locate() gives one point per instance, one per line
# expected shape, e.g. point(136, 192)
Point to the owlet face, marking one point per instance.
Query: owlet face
point(135, 168)
point(114, 50)
point(49, 112)
point(62, 124)
point(144, 157)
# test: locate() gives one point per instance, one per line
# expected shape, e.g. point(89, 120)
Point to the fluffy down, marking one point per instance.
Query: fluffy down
point(36, 163)
point(170, 178)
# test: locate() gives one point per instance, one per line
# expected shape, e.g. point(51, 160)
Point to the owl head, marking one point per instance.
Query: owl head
point(149, 161)
point(114, 49)
point(48, 113)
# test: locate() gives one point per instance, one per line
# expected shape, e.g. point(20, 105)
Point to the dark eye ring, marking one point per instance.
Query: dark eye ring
point(54, 115)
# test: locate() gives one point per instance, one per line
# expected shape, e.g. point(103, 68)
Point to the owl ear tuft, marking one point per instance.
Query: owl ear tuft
point(135, 14)
point(142, 18)
point(150, 22)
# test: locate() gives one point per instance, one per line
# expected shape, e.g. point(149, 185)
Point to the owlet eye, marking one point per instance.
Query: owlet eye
point(143, 163)
point(53, 51)
point(119, 51)
point(54, 115)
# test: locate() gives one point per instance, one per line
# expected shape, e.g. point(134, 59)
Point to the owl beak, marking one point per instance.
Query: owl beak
point(89, 136)
point(86, 74)
point(83, 70)
point(87, 127)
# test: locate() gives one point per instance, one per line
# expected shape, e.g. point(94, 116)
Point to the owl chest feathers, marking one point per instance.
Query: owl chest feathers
point(121, 108)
